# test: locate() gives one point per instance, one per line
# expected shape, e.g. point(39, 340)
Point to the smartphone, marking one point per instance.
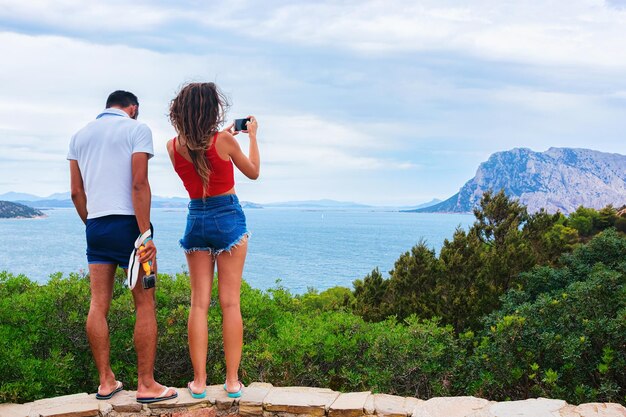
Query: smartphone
point(240, 124)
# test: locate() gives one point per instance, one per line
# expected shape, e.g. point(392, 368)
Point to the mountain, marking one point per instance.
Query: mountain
point(421, 206)
point(11, 210)
point(64, 200)
point(12, 196)
point(47, 203)
point(318, 204)
point(59, 196)
point(559, 179)
point(250, 205)
point(169, 202)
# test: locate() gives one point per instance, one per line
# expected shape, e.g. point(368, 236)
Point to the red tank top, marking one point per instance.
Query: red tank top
point(221, 178)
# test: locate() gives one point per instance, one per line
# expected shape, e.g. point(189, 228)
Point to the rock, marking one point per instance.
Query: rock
point(351, 404)
point(219, 397)
point(595, 410)
point(199, 412)
point(15, 410)
point(76, 405)
point(105, 409)
point(537, 407)
point(391, 405)
point(410, 403)
point(262, 399)
point(251, 401)
point(369, 407)
point(125, 402)
point(261, 385)
point(452, 407)
point(299, 400)
point(10, 210)
point(558, 179)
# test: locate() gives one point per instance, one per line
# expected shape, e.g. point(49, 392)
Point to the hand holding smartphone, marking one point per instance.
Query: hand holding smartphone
point(241, 125)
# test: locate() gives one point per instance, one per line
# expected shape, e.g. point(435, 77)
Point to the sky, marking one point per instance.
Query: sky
point(383, 102)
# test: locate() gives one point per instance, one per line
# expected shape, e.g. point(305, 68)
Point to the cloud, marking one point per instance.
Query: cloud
point(581, 32)
point(584, 33)
point(93, 17)
point(313, 144)
point(617, 4)
point(54, 103)
point(545, 101)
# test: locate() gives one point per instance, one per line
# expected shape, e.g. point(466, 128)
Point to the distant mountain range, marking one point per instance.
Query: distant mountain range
point(559, 179)
point(430, 203)
point(321, 204)
point(63, 200)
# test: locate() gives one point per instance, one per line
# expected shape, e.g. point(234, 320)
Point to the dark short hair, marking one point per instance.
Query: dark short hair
point(122, 99)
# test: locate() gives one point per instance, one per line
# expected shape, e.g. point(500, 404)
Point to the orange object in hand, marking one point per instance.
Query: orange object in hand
point(147, 267)
point(149, 279)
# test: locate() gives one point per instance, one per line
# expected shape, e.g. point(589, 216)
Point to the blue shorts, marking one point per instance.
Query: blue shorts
point(111, 239)
point(215, 225)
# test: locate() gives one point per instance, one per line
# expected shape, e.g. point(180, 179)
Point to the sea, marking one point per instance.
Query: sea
point(296, 248)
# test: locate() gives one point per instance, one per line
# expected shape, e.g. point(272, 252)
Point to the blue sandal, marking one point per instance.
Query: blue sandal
point(197, 396)
point(235, 394)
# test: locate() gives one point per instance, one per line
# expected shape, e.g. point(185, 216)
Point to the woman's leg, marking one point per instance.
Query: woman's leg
point(229, 271)
point(201, 267)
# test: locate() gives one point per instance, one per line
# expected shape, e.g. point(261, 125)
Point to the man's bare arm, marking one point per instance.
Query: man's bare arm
point(141, 201)
point(79, 198)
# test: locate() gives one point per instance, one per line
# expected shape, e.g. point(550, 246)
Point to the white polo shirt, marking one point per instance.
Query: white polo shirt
point(104, 150)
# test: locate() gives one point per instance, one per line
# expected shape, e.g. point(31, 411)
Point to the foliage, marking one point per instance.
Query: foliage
point(369, 296)
point(294, 340)
point(588, 221)
point(563, 335)
point(478, 266)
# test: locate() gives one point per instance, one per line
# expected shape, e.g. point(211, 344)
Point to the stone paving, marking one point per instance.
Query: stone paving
point(262, 399)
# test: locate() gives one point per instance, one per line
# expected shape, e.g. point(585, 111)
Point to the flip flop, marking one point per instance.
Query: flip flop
point(161, 397)
point(235, 394)
point(118, 387)
point(198, 396)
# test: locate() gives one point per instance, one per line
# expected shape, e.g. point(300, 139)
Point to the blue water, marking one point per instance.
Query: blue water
point(302, 248)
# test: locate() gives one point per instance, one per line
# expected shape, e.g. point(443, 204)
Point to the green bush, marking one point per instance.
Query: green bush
point(291, 340)
point(473, 270)
point(478, 266)
point(561, 336)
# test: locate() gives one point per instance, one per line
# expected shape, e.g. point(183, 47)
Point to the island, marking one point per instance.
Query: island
point(10, 210)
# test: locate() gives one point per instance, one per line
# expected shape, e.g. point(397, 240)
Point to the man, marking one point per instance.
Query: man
point(110, 190)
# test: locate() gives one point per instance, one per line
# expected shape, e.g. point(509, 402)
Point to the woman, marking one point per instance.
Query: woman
point(216, 232)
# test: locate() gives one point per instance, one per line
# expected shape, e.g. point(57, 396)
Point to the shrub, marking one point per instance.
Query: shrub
point(561, 336)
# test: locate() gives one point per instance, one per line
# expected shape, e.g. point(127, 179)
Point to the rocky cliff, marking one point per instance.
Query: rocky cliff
point(9, 210)
point(560, 179)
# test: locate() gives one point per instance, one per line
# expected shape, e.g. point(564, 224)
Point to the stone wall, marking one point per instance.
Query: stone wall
point(261, 399)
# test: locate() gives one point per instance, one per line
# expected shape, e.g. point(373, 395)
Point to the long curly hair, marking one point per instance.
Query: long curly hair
point(196, 113)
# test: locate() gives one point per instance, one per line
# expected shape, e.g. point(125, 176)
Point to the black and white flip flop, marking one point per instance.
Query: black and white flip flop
point(118, 387)
point(161, 397)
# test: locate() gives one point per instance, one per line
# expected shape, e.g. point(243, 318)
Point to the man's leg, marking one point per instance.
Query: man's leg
point(146, 341)
point(101, 277)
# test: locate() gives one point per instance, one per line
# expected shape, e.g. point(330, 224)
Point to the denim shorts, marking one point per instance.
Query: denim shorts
point(215, 224)
point(111, 239)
